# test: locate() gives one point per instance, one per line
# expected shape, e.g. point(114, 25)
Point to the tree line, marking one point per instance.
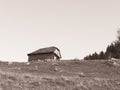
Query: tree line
point(112, 51)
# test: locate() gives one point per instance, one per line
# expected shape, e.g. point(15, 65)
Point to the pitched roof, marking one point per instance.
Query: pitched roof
point(44, 50)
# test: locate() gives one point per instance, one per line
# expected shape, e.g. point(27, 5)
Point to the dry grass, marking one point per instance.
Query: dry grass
point(75, 75)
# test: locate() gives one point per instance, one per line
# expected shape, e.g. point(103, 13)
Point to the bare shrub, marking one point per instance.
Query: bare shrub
point(26, 76)
point(81, 74)
point(34, 84)
point(12, 78)
point(56, 69)
point(76, 59)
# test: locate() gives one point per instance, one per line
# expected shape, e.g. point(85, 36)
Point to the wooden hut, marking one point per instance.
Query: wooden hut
point(48, 53)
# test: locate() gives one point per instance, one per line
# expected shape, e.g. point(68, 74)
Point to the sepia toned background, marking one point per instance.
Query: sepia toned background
point(76, 27)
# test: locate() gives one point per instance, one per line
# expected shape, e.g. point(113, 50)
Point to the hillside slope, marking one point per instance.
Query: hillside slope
point(63, 75)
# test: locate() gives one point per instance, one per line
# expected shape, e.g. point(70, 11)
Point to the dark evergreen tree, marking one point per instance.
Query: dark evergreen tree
point(101, 55)
point(112, 51)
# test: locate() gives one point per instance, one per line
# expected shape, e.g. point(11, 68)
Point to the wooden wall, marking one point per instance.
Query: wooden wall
point(36, 57)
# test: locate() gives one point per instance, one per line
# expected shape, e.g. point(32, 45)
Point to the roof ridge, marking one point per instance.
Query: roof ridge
point(44, 50)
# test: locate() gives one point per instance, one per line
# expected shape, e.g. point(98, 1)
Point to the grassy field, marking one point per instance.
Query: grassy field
point(63, 75)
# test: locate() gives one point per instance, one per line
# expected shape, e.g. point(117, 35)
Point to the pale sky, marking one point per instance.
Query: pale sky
point(76, 27)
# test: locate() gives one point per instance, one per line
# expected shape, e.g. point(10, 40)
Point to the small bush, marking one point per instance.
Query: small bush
point(12, 78)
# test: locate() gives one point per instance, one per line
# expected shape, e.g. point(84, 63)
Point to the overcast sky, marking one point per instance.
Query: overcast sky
point(76, 27)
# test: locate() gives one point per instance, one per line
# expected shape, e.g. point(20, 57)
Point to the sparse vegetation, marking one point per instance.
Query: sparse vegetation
point(75, 75)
